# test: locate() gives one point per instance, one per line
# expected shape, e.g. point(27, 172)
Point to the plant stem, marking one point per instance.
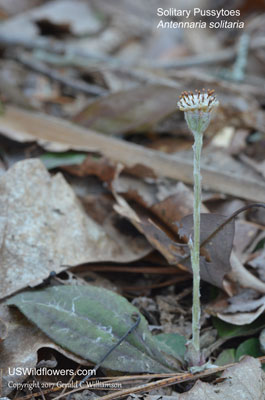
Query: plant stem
point(195, 245)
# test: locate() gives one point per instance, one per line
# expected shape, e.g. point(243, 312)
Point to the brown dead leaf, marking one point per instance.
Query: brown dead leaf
point(156, 236)
point(20, 347)
point(245, 380)
point(138, 108)
point(94, 165)
point(160, 209)
point(245, 232)
point(160, 226)
point(240, 275)
point(164, 205)
point(43, 228)
point(214, 265)
point(240, 309)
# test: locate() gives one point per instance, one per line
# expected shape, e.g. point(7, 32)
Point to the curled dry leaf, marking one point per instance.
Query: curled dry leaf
point(154, 234)
point(241, 309)
point(166, 203)
point(94, 165)
point(43, 228)
point(215, 254)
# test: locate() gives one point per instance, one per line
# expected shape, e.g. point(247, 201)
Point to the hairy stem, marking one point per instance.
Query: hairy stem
point(195, 245)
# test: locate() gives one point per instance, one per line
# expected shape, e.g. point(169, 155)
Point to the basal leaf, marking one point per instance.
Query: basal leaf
point(175, 342)
point(88, 321)
point(227, 356)
point(250, 347)
point(226, 330)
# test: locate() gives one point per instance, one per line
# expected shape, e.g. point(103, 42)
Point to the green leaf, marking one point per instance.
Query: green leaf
point(175, 342)
point(88, 321)
point(249, 347)
point(55, 160)
point(226, 330)
point(227, 356)
point(262, 340)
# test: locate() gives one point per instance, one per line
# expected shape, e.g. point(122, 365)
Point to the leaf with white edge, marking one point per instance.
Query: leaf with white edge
point(89, 320)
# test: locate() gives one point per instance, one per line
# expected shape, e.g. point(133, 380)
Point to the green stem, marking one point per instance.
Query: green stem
point(195, 245)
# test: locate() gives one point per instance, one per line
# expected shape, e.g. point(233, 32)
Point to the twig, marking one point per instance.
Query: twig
point(169, 381)
point(75, 84)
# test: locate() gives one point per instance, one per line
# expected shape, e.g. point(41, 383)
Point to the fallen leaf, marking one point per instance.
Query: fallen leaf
point(131, 110)
point(243, 308)
point(154, 234)
point(216, 264)
point(259, 263)
point(245, 232)
point(242, 276)
point(87, 321)
point(241, 318)
point(43, 228)
point(93, 164)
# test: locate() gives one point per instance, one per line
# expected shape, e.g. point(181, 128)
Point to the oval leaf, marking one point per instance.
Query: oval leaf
point(88, 321)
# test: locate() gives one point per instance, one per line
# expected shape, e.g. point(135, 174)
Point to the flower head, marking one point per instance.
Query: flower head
point(198, 107)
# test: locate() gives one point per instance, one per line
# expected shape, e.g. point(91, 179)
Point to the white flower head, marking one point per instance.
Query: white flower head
point(198, 108)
